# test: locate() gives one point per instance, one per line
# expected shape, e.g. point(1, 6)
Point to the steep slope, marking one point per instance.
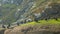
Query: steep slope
point(13, 10)
point(10, 12)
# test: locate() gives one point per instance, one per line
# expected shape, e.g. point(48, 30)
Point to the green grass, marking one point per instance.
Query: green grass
point(44, 22)
point(29, 23)
point(1, 29)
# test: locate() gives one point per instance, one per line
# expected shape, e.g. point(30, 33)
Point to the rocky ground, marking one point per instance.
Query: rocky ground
point(34, 29)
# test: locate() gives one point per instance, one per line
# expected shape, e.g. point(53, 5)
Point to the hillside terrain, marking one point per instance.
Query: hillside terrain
point(44, 27)
point(14, 10)
point(30, 16)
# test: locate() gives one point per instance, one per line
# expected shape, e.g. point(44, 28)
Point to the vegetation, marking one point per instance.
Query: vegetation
point(43, 13)
point(44, 22)
point(50, 26)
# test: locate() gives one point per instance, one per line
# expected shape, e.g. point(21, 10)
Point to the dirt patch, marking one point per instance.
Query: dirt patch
point(36, 29)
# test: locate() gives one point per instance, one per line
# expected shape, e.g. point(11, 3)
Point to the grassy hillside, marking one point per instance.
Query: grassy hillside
point(11, 13)
point(43, 27)
point(44, 22)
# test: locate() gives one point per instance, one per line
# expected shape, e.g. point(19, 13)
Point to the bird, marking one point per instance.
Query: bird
point(35, 20)
point(3, 26)
point(46, 19)
point(8, 26)
point(56, 19)
point(17, 24)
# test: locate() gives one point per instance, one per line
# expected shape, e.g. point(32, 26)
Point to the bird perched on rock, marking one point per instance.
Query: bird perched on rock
point(8, 26)
point(3, 26)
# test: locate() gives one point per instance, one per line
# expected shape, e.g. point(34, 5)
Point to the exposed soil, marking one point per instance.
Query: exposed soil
point(36, 29)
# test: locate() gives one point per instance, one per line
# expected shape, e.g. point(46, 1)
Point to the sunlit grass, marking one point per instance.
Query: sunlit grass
point(1, 29)
point(29, 23)
point(44, 22)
